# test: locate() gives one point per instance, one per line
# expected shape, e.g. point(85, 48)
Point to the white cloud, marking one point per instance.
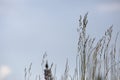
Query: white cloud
point(4, 72)
point(109, 7)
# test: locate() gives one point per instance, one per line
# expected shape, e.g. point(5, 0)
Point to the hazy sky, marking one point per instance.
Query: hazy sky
point(28, 28)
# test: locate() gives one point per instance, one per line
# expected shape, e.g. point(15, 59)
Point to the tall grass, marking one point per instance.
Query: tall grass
point(95, 60)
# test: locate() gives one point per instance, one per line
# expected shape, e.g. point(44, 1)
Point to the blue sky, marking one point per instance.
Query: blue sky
point(28, 28)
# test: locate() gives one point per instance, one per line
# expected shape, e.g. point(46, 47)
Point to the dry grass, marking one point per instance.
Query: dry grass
point(94, 61)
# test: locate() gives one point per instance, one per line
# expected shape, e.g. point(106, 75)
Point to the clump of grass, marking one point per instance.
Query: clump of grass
point(94, 61)
point(46, 70)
